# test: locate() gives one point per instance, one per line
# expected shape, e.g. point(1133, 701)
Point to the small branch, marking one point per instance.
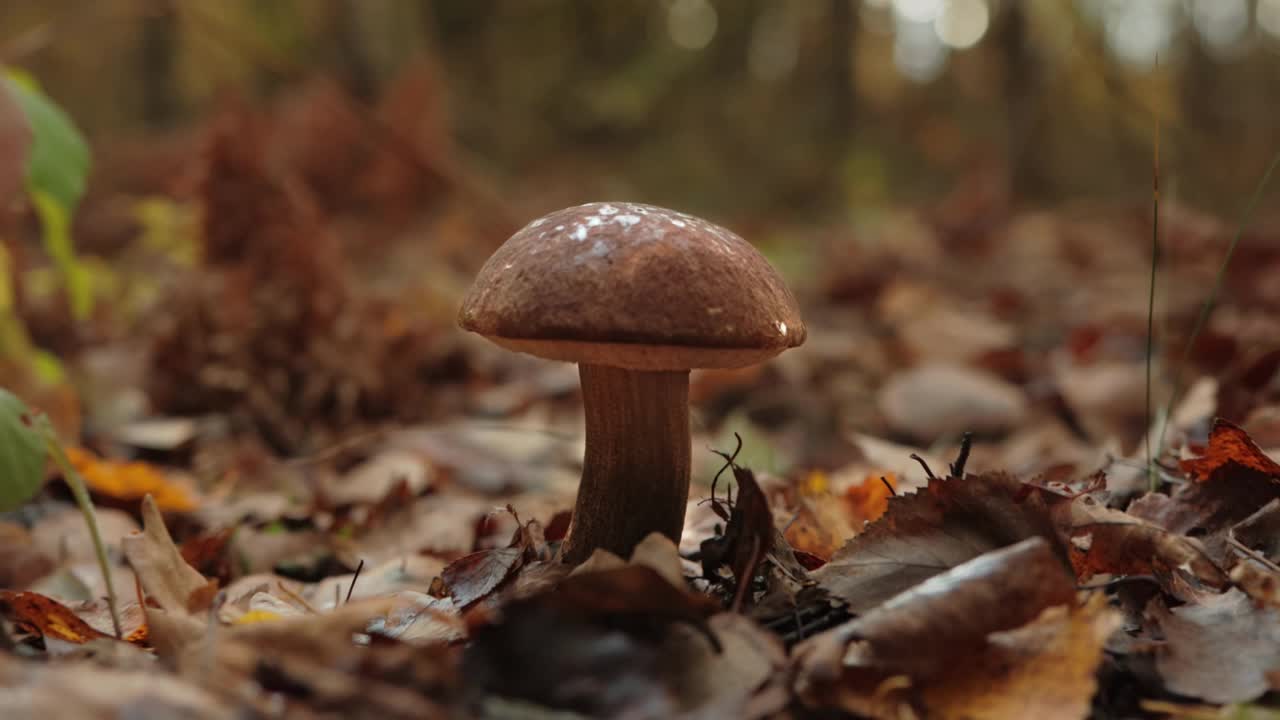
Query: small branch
point(928, 471)
point(360, 567)
point(966, 443)
point(81, 495)
point(1253, 554)
point(887, 484)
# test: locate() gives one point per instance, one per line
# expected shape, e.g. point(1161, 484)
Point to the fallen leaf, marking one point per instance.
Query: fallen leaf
point(62, 534)
point(473, 577)
point(85, 690)
point(735, 682)
point(421, 620)
point(749, 534)
point(1105, 541)
point(1230, 451)
point(998, 638)
point(46, 617)
point(948, 522)
point(165, 575)
point(952, 614)
point(209, 554)
point(1261, 531)
point(937, 401)
point(169, 581)
point(1220, 649)
point(128, 482)
point(869, 499)
point(1045, 670)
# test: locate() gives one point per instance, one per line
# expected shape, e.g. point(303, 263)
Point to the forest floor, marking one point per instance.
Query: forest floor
point(955, 500)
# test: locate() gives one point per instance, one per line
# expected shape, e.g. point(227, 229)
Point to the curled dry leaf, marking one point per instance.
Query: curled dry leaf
point(1221, 649)
point(473, 577)
point(997, 638)
point(948, 522)
point(952, 614)
point(42, 615)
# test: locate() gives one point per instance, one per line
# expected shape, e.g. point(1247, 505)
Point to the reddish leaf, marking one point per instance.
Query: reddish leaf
point(1230, 451)
point(46, 617)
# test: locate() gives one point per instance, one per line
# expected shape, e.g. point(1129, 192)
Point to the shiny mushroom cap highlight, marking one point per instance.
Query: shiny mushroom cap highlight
point(633, 286)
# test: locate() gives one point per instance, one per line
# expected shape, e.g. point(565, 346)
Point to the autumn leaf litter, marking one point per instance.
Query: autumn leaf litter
point(377, 534)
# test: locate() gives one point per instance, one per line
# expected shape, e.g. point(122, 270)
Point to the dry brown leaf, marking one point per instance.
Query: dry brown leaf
point(658, 552)
point(952, 614)
point(85, 690)
point(165, 575)
point(997, 638)
point(947, 523)
point(473, 577)
point(710, 684)
point(1105, 541)
point(936, 401)
point(1044, 670)
point(168, 580)
point(1221, 649)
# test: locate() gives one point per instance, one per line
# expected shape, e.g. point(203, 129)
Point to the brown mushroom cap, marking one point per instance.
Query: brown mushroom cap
point(633, 286)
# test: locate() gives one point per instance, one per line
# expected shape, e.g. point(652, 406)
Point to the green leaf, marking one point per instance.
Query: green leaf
point(59, 162)
point(56, 173)
point(22, 452)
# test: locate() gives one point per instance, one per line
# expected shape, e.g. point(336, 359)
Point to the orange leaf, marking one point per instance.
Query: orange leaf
point(46, 617)
point(1230, 446)
point(869, 499)
point(131, 481)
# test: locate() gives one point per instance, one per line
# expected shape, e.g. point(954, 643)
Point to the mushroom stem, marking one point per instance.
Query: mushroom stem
point(635, 475)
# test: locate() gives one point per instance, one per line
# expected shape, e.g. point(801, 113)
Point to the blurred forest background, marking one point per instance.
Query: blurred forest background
point(758, 107)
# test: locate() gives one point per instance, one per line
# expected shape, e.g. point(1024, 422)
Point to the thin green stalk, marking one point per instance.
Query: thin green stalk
point(1211, 301)
point(81, 495)
point(1152, 478)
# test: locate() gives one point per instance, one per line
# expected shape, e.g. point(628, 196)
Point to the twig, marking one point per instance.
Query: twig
point(885, 480)
point(1253, 554)
point(360, 567)
point(80, 492)
point(728, 463)
point(966, 443)
point(1152, 480)
point(928, 471)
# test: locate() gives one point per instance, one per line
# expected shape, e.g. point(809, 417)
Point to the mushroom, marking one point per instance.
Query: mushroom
point(638, 296)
